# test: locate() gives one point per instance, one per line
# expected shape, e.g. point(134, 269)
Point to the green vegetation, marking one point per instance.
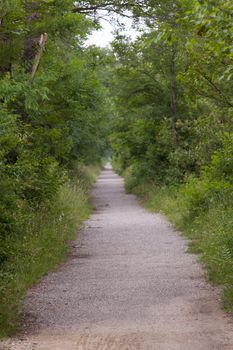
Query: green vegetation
point(53, 116)
point(164, 102)
point(43, 242)
point(173, 132)
point(202, 209)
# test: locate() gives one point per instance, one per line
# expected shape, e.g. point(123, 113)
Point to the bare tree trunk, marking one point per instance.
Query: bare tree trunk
point(42, 42)
point(173, 95)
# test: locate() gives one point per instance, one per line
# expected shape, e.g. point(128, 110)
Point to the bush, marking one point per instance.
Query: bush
point(202, 208)
point(40, 243)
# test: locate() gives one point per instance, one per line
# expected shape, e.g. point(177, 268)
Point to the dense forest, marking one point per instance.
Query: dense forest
point(161, 104)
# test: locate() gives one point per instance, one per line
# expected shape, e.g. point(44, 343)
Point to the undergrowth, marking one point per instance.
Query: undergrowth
point(44, 242)
point(202, 209)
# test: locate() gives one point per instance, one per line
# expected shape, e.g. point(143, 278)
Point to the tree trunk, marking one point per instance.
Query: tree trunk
point(173, 95)
point(42, 42)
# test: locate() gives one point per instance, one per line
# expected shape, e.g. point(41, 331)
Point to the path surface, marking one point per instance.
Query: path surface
point(128, 285)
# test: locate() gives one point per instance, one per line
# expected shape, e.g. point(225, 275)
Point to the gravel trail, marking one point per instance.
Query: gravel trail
point(128, 285)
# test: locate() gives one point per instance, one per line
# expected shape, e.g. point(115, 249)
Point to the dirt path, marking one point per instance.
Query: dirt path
point(128, 285)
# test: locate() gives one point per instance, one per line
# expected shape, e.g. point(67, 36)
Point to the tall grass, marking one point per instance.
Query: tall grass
point(203, 211)
point(44, 242)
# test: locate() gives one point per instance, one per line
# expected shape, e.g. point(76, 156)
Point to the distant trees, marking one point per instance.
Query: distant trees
point(174, 89)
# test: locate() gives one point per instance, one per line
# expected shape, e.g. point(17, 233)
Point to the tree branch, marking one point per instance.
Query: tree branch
point(216, 88)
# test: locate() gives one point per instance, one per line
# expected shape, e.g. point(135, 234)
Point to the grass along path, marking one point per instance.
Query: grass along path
point(128, 284)
point(43, 244)
point(203, 215)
